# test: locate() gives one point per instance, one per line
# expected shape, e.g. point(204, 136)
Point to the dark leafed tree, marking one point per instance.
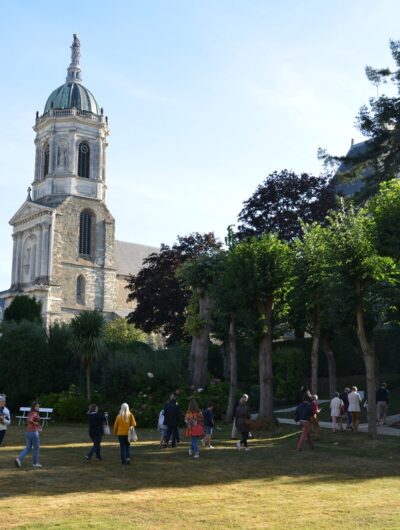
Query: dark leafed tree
point(161, 299)
point(379, 122)
point(24, 307)
point(282, 201)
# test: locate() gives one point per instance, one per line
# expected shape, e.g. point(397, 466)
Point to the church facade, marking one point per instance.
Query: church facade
point(64, 248)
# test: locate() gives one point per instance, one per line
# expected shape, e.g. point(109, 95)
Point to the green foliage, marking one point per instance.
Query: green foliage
point(88, 336)
point(385, 208)
point(68, 406)
point(64, 365)
point(290, 371)
point(24, 307)
point(119, 332)
point(25, 362)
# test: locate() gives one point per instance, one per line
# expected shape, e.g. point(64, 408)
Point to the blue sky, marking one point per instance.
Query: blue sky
point(204, 98)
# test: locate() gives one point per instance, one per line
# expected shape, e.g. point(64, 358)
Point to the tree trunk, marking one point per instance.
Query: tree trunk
point(202, 341)
point(315, 348)
point(191, 358)
point(233, 369)
point(265, 361)
point(330, 357)
point(225, 360)
point(88, 392)
point(368, 350)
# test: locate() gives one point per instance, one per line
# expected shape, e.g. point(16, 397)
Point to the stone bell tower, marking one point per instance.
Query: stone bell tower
point(63, 251)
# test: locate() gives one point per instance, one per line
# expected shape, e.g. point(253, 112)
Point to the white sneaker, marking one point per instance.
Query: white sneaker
point(247, 449)
point(238, 446)
point(190, 452)
point(18, 462)
point(37, 465)
point(211, 447)
point(197, 455)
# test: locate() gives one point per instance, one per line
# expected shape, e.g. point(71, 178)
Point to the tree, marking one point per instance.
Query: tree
point(379, 122)
point(366, 275)
point(24, 307)
point(119, 332)
point(200, 275)
point(312, 295)
point(88, 340)
point(385, 208)
point(25, 362)
point(263, 269)
point(282, 201)
point(161, 299)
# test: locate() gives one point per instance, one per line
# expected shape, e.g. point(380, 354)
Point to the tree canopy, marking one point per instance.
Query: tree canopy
point(24, 307)
point(283, 201)
point(161, 298)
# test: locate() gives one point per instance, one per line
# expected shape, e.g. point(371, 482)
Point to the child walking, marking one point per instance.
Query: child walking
point(195, 426)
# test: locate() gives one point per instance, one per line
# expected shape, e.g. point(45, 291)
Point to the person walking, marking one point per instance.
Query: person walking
point(172, 416)
point(337, 409)
point(234, 434)
point(314, 418)
point(195, 427)
point(123, 422)
point(355, 408)
point(32, 439)
point(96, 422)
point(208, 415)
point(242, 416)
point(344, 396)
point(162, 428)
point(382, 403)
point(5, 417)
point(303, 416)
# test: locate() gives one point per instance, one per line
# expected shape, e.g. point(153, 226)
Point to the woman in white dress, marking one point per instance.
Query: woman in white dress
point(337, 406)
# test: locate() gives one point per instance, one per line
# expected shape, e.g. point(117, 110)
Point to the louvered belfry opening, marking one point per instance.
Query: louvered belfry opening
point(84, 160)
point(85, 233)
point(46, 160)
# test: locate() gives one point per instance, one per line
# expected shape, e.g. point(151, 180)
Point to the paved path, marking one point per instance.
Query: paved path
point(384, 429)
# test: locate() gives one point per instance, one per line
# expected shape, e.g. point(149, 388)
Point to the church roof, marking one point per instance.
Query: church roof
point(129, 256)
point(71, 95)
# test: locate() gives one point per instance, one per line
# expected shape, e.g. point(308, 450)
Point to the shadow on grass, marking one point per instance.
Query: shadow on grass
point(337, 458)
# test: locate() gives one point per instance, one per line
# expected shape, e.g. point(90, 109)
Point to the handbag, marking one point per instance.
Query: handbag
point(132, 436)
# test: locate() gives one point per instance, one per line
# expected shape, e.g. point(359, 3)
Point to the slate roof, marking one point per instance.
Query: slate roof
point(349, 188)
point(129, 256)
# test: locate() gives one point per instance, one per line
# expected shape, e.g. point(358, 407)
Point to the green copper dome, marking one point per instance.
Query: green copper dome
point(72, 95)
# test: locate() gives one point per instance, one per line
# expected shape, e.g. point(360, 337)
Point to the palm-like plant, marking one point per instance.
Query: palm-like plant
point(88, 340)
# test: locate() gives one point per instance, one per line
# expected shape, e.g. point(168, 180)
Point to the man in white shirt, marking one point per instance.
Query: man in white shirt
point(355, 408)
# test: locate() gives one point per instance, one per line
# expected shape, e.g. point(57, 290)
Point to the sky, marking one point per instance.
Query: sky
point(205, 98)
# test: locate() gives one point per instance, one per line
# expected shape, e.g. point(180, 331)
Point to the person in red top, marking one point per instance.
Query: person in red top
point(31, 436)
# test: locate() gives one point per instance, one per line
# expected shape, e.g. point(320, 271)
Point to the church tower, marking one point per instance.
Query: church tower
point(63, 234)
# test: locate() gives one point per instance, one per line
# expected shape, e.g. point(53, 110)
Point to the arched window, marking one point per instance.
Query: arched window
point(46, 160)
point(85, 233)
point(84, 160)
point(80, 290)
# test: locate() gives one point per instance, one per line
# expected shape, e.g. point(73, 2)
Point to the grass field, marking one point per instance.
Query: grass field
point(346, 482)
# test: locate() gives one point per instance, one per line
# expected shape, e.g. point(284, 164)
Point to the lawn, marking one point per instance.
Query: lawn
point(347, 481)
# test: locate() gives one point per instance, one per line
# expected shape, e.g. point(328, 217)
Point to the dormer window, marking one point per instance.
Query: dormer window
point(46, 160)
point(84, 160)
